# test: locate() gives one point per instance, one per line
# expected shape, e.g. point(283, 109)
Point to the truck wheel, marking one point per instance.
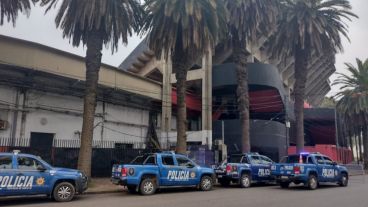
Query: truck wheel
point(284, 184)
point(344, 180)
point(148, 187)
point(245, 180)
point(312, 182)
point(63, 192)
point(132, 189)
point(206, 183)
point(224, 183)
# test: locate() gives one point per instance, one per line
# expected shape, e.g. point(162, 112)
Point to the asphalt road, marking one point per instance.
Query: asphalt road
point(355, 195)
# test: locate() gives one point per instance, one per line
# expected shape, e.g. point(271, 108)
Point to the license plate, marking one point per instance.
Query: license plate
point(284, 177)
point(218, 171)
point(219, 176)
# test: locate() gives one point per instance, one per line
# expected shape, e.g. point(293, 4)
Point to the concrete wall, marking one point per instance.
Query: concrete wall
point(62, 116)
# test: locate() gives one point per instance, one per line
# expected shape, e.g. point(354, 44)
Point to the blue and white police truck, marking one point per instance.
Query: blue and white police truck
point(149, 172)
point(25, 174)
point(245, 169)
point(311, 169)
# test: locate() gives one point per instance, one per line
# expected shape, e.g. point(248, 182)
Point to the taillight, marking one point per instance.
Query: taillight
point(296, 170)
point(228, 168)
point(124, 172)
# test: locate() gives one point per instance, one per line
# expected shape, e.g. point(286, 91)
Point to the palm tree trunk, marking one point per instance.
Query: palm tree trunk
point(240, 55)
point(365, 145)
point(301, 66)
point(181, 64)
point(93, 63)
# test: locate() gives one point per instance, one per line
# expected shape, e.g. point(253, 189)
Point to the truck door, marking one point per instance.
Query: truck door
point(168, 171)
point(256, 166)
point(32, 175)
point(331, 173)
point(188, 171)
point(6, 173)
point(265, 173)
point(321, 168)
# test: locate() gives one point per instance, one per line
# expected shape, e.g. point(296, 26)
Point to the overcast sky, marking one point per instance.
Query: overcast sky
point(41, 28)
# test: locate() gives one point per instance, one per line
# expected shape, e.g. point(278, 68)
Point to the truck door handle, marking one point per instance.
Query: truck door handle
point(20, 174)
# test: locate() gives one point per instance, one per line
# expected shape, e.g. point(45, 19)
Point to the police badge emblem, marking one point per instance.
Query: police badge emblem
point(192, 174)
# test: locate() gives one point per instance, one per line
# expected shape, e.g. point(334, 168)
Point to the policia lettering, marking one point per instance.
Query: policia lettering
point(19, 182)
point(178, 175)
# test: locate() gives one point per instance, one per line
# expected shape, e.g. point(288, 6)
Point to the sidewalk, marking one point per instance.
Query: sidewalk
point(103, 185)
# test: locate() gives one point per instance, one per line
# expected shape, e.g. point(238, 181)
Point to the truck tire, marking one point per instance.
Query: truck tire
point(63, 192)
point(312, 182)
point(284, 184)
point(206, 183)
point(245, 180)
point(132, 189)
point(148, 186)
point(344, 180)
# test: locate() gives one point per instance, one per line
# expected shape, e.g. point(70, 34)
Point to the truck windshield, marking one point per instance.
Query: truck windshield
point(235, 158)
point(295, 159)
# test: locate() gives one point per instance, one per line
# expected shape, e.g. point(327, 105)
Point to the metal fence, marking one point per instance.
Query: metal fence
point(64, 153)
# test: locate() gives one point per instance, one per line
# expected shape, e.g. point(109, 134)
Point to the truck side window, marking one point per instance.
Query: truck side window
point(256, 160)
point(310, 160)
point(150, 161)
point(5, 162)
point(245, 160)
point(184, 162)
point(27, 163)
point(167, 160)
point(328, 161)
point(320, 160)
point(266, 160)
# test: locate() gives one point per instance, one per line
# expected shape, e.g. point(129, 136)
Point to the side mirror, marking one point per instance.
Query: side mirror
point(190, 165)
point(334, 163)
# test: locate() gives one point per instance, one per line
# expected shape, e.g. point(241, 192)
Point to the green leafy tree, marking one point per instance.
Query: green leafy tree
point(353, 101)
point(308, 27)
point(9, 9)
point(248, 21)
point(95, 23)
point(183, 30)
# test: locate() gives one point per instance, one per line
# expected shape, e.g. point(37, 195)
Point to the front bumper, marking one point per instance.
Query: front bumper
point(82, 184)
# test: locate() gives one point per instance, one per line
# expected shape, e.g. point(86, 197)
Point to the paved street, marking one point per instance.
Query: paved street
point(269, 196)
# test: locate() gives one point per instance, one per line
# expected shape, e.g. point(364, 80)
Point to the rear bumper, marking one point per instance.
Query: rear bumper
point(118, 181)
point(290, 178)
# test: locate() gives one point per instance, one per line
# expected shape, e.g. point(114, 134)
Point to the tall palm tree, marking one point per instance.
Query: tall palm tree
point(307, 27)
point(95, 23)
point(183, 30)
point(353, 102)
point(9, 9)
point(248, 20)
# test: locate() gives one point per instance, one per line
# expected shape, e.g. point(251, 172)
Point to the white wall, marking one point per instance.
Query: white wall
point(62, 116)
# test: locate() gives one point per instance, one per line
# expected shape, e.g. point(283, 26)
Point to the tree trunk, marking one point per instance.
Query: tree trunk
point(365, 145)
point(240, 55)
point(93, 63)
point(301, 66)
point(181, 63)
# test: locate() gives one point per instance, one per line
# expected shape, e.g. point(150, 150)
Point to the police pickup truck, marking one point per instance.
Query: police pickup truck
point(311, 169)
point(24, 174)
point(245, 169)
point(147, 173)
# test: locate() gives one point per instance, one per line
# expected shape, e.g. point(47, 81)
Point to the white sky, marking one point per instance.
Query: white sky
point(41, 28)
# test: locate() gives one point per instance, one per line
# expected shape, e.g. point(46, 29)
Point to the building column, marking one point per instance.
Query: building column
point(166, 101)
point(207, 99)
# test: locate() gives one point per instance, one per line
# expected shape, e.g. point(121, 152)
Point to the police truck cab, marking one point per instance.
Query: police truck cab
point(25, 174)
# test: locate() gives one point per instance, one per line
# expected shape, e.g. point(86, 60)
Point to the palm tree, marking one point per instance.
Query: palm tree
point(183, 30)
point(95, 23)
point(353, 102)
point(308, 27)
point(9, 9)
point(247, 19)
